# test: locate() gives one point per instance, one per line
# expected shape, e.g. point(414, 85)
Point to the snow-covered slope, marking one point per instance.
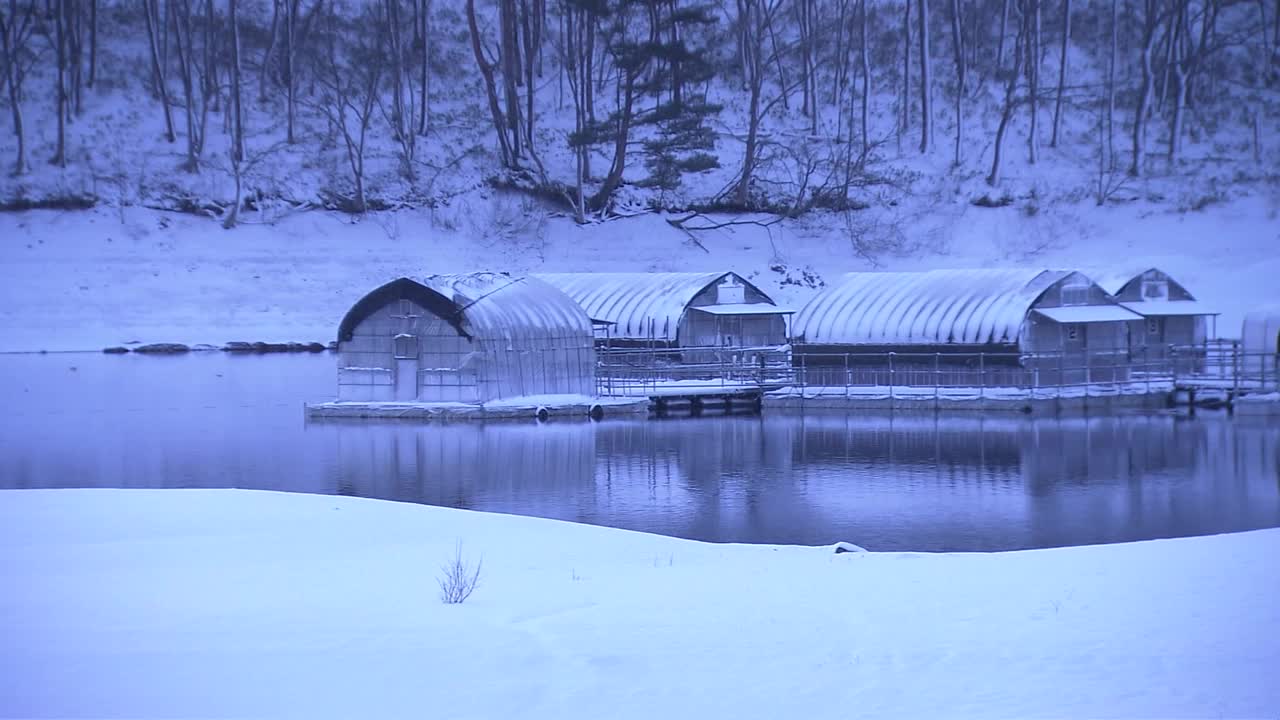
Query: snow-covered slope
point(193, 603)
point(90, 279)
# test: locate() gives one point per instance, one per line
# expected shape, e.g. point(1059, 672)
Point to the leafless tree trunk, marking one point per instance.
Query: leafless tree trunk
point(905, 124)
point(866, 79)
point(403, 105)
point(926, 85)
point(350, 86)
point(266, 53)
point(1010, 96)
point(1033, 84)
point(500, 123)
point(154, 31)
point(237, 116)
point(290, 70)
point(1004, 26)
point(17, 26)
point(422, 25)
point(93, 41)
point(196, 103)
point(60, 80)
point(509, 57)
point(1062, 72)
point(957, 41)
point(1151, 24)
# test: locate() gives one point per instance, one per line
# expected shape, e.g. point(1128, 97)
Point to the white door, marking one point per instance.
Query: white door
point(406, 358)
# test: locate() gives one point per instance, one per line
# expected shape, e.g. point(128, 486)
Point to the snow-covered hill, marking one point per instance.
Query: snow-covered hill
point(84, 280)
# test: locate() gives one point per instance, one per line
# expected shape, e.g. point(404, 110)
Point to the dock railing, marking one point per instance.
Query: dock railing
point(979, 373)
point(690, 370)
point(1224, 365)
point(676, 371)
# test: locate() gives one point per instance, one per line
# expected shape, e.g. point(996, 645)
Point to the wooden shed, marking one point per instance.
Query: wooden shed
point(960, 327)
point(464, 338)
point(1172, 317)
point(676, 310)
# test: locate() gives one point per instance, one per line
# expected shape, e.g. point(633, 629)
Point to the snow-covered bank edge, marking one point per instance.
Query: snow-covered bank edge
point(147, 603)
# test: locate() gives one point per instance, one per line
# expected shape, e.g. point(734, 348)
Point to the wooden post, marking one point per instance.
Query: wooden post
point(937, 369)
point(890, 380)
point(982, 375)
point(846, 376)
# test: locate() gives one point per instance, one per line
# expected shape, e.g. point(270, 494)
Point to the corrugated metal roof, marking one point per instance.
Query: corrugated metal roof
point(1113, 280)
point(970, 307)
point(1088, 314)
point(1160, 308)
point(642, 306)
point(500, 305)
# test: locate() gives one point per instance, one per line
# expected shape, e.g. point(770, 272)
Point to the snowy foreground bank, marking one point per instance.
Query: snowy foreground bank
point(222, 603)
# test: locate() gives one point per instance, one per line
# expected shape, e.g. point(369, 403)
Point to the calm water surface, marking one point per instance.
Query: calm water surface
point(904, 482)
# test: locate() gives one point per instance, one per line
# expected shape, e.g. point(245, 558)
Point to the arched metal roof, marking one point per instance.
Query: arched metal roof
point(1115, 281)
point(641, 306)
point(968, 307)
point(482, 306)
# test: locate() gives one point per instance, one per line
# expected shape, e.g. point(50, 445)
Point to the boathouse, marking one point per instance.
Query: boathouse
point(1019, 328)
point(469, 338)
point(1173, 320)
point(676, 310)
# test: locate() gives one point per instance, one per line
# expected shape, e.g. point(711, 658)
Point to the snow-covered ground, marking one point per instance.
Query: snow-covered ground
point(84, 280)
point(196, 603)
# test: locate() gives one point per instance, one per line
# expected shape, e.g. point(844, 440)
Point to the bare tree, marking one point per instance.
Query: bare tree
point(508, 145)
point(195, 99)
point(58, 40)
point(402, 117)
point(863, 56)
point(93, 41)
point(1033, 83)
point(349, 76)
point(155, 30)
point(1062, 72)
point(957, 41)
point(1152, 17)
point(926, 85)
point(237, 154)
point(1010, 93)
point(421, 44)
point(17, 27)
point(905, 124)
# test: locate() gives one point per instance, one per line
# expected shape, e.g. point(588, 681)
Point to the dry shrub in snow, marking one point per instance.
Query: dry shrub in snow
point(459, 578)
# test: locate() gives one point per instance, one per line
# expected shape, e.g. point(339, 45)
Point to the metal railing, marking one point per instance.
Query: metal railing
point(677, 371)
point(715, 369)
point(1224, 364)
point(977, 372)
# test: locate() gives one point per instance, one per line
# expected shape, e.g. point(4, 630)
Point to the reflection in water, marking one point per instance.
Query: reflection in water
point(918, 482)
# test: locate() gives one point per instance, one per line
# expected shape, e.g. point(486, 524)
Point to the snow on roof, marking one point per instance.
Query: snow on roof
point(1088, 314)
point(1159, 308)
point(934, 307)
point(1113, 280)
point(642, 306)
point(743, 309)
point(482, 305)
point(498, 304)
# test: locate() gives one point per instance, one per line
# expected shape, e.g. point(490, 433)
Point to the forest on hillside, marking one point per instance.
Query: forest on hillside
point(779, 106)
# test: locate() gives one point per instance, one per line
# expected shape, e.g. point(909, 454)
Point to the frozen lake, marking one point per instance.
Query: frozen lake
point(904, 482)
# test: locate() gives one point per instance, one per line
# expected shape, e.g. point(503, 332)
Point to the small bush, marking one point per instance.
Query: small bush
point(459, 579)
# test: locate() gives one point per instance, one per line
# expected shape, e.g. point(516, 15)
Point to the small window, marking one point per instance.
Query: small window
point(1071, 332)
point(1153, 326)
point(1075, 292)
point(1155, 290)
point(405, 347)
